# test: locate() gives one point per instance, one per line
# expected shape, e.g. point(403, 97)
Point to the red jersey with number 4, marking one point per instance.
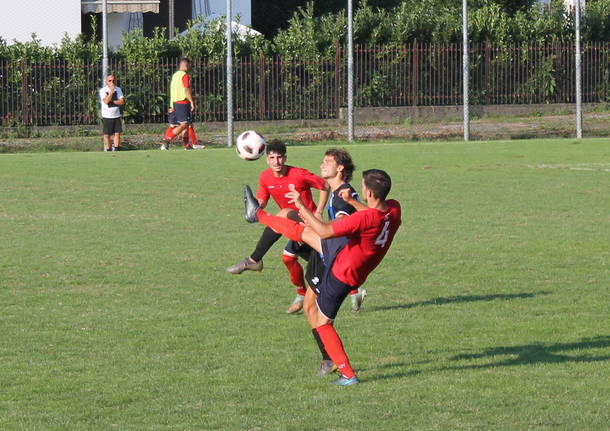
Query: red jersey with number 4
point(371, 233)
point(300, 179)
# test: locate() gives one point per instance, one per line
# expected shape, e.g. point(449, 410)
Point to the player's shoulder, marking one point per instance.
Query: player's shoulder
point(348, 186)
point(265, 174)
point(295, 170)
point(393, 203)
point(343, 187)
point(394, 207)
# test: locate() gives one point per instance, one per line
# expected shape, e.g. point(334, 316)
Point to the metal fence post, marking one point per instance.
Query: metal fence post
point(487, 72)
point(414, 74)
point(261, 87)
point(25, 117)
point(338, 79)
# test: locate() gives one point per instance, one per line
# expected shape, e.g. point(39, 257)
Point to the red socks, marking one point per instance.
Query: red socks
point(192, 136)
point(334, 348)
point(169, 134)
point(296, 272)
point(289, 228)
point(185, 141)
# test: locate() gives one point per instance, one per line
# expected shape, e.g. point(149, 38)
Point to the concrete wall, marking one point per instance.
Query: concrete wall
point(50, 20)
point(398, 114)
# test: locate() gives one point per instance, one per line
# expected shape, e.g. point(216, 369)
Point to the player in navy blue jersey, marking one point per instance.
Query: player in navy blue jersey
point(337, 168)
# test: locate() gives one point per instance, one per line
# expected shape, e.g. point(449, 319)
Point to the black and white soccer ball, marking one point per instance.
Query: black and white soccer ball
point(250, 145)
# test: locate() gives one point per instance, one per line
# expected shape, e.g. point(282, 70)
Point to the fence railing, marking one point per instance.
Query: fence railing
point(271, 88)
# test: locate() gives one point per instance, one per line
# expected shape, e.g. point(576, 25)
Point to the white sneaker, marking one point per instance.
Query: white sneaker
point(163, 147)
point(358, 299)
point(198, 147)
point(297, 305)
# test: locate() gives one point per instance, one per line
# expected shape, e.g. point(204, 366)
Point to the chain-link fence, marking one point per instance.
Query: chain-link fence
point(270, 88)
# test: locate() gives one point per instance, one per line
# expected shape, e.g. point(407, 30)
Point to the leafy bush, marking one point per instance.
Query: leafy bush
point(299, 62)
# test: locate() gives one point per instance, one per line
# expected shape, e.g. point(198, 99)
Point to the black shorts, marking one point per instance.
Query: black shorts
point(171, 119)
point(331, 292)
point(314, 270)
point(112, 126)
point(182, 112)
point(302, 250)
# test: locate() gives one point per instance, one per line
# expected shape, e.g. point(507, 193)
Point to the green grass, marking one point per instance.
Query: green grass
point(489, 312)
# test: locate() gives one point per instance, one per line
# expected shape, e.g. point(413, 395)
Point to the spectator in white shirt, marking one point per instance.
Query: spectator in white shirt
point(112, 98)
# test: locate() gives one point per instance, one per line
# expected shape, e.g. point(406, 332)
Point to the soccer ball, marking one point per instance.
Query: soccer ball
point(250, 145)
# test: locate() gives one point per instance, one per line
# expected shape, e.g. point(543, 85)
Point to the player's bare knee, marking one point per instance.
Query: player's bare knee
point(284, 212)
point(294, 216)
point(321, 321)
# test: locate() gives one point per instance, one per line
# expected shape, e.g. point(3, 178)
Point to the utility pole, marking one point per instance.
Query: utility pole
point(465, 70)
point(172, 19)
point(229, 75)
point(578, 60)
point(350, 71)
point(104, 41)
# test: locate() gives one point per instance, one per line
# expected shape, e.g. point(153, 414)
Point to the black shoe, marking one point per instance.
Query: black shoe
point(250, 205)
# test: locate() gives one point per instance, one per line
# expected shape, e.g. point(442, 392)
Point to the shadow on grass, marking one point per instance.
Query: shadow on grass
point(461, 298)
point(527, 354)
point(398, 375)
point(537, 353)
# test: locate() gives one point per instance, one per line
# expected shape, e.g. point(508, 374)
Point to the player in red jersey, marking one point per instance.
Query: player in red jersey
point(274, 183)
point(351, 247)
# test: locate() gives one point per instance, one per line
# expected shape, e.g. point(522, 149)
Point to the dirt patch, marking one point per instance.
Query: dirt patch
point(552, 126)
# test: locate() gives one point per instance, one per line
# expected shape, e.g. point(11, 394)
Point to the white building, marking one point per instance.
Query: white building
point(50, 20)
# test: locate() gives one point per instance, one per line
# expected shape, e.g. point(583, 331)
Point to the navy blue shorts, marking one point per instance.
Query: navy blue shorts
point(293, 248)
point(182, 112)
point(331, 292)
point(171, 119)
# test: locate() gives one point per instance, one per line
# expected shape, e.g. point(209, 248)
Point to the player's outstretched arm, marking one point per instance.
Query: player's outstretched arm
point(323, 230)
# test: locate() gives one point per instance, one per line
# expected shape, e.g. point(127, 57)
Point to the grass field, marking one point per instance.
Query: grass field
point(491, 310)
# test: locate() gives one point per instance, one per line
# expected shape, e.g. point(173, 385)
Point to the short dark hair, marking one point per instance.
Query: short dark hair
point(378, 182)
point(276, 146)
point(185, 60)
point(342, 158)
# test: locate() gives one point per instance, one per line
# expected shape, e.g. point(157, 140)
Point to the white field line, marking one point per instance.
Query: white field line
point(597, 167)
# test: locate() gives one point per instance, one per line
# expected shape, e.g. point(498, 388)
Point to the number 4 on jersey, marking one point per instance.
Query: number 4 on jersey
point(382, 238)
